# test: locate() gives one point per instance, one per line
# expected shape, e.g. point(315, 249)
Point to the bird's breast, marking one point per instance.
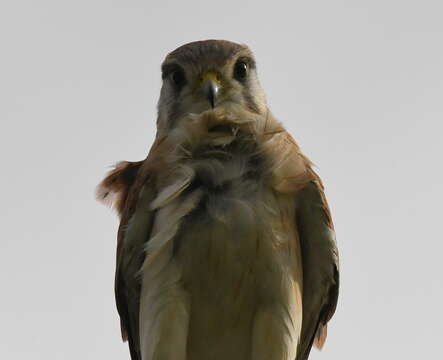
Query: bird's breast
point(222, 236)
point(223, 243)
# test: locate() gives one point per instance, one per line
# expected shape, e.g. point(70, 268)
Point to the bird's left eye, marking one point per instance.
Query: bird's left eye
point(240, 70)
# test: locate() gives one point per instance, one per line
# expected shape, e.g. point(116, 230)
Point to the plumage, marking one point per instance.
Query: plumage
point(226, 247)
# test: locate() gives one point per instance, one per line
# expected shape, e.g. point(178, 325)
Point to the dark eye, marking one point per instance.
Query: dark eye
point(240, 70)
point(178, 77)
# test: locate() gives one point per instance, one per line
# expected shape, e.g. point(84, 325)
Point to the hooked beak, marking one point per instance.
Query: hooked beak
point(211, 88)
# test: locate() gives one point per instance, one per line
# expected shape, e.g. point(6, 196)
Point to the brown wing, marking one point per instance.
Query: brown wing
point(320, 265)
point(130, 192)
point(130, 188)
point(134, 232)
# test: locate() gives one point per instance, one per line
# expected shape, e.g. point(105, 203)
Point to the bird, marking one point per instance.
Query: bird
point(226, 247)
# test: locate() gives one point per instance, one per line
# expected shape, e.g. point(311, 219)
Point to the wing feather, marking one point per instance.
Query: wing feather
point(134, 232)
point(131, 188)
point(320, 264)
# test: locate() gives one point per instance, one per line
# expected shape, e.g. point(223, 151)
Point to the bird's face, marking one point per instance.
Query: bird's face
point(205, 75)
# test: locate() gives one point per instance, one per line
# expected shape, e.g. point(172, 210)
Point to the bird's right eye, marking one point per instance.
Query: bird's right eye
point(178, 77)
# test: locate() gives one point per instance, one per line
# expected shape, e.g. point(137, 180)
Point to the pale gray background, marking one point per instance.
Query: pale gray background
point(358, 83)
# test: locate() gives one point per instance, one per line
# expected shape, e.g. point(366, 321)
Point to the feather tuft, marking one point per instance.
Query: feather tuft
point(114, 188)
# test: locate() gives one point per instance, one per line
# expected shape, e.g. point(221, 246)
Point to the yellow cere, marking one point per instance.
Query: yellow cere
point(210, 75)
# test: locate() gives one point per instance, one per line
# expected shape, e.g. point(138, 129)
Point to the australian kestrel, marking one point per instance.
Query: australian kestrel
point(226, 248)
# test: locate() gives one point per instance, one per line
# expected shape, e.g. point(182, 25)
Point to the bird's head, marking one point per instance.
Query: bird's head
point(205, 75)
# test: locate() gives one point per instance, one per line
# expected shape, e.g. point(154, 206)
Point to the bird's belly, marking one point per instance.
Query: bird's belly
point(218, 254)
point(226, 252)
